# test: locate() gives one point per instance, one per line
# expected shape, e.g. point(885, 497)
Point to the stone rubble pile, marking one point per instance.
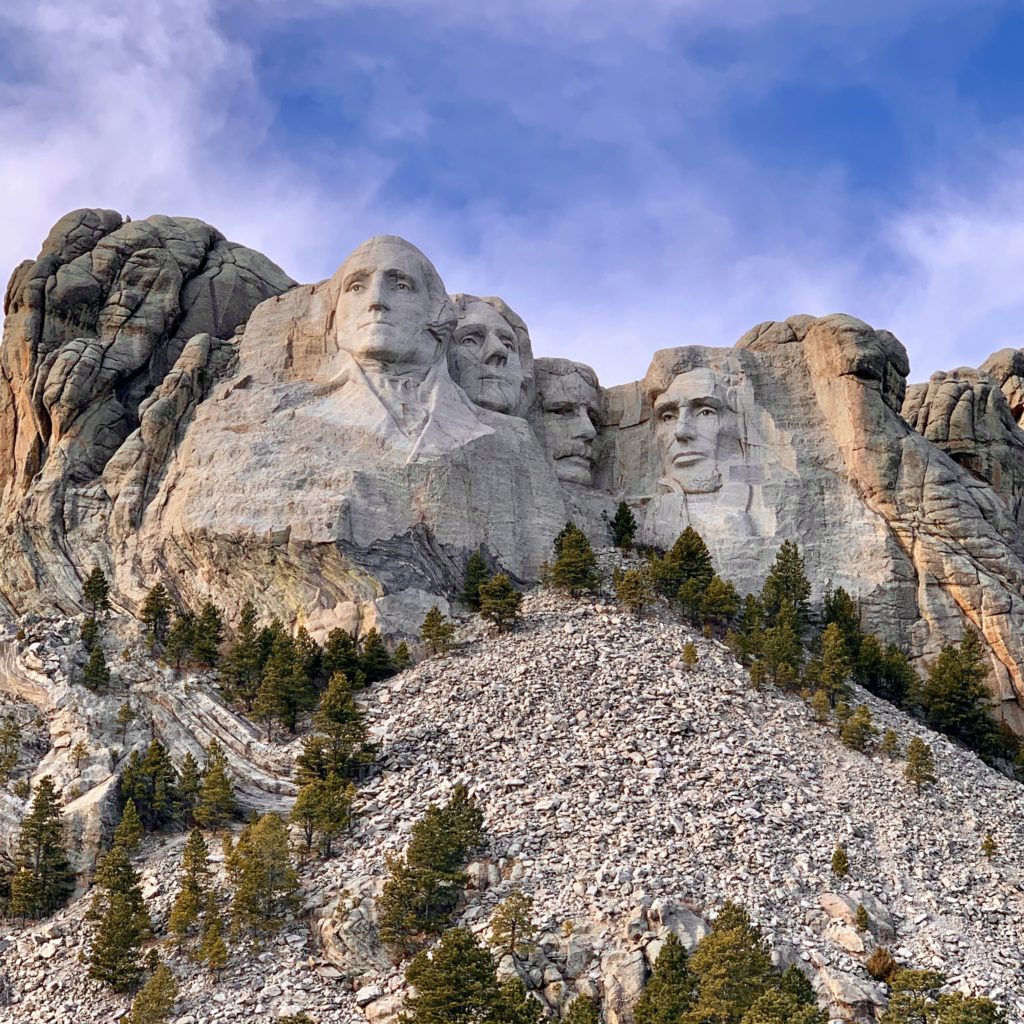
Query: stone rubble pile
point(628, 796)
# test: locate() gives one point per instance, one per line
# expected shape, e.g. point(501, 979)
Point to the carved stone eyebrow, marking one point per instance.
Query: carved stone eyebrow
point(663, 404)
point(361, 274)
point(401, 275)
point(706, 400)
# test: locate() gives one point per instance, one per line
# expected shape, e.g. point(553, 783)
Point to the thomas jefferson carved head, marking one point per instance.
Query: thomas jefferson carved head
point(566, 415)
point(490, 355)
point(391, 307)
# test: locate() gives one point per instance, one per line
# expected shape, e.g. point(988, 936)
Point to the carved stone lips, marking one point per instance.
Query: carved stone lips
point(687, 458)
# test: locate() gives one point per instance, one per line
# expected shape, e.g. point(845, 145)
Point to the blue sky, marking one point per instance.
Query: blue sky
point(627, 176)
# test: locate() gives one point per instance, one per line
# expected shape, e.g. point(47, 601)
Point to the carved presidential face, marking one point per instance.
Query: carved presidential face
point(569, 412)
point(688, 420)
point(484, 358)
point(386, 304)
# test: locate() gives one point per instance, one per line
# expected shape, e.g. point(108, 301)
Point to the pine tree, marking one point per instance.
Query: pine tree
point(114, 953)
point(402, 658)
point(123, 922)
point(216, 804)
point(835, 664)
point(777, 1007)
point(500, 602)
point(422, 889)
point(242, 666)
point(477, 574)
point(208, 635)
point(575, 567)
point(954, 696)
point(787, 582)
point(670, 992)
point(455, 985)
point(338, 744)
point(156, 998)
point(821, 707)
point(79, 753)
point(885, 671)
point(10, 748)
point(156, 612)
point(687, 559)
point(841, 610)
point(840, 861)
point(341, 655)
point(989, 847)
point(324, 808)
point(151, 782)
point(860, 730)
point(96, 675)
point(129, 830)
point(515, 1005)
point(720, 603)
point(90, 634)
point(689, 654)
point(96, 591)
point(582, 1010)
point(125, 717)
point(512, 929)
point(861, 919)
point(890, 745)
point(190, 784)
point(733, 968)
point(794, 983)
point(920, 768)
point(374, 659)
point(213, 950)
point(310, 655)
point(623, 526)
point(634, 589)
point(436, 632)
point(181, 638)
point(265, 884)
point(192, 888)
point(747, 639)
point(782, 654)
point(285, 690)
point(42, 879)
point(915, 996)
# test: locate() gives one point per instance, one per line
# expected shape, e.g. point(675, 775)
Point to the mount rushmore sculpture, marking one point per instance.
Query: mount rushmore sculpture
point(174, 407)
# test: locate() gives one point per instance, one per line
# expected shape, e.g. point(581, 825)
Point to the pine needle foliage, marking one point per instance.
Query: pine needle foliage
point(42, 880)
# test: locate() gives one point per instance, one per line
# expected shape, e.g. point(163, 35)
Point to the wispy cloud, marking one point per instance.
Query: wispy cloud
point(575, 157)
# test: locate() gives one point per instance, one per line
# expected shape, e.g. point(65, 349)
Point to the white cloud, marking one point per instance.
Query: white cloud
point(157, 110)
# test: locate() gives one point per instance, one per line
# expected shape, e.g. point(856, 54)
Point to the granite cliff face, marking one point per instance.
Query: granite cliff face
point(173, 408)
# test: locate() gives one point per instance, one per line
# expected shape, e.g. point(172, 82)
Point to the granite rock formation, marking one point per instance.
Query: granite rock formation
point(172, 408)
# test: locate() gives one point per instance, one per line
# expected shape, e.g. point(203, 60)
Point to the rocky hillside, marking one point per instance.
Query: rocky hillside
point(625, 793)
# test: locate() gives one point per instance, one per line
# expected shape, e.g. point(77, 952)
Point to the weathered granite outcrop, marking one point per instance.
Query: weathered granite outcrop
point(338, 457)
point(93, 327)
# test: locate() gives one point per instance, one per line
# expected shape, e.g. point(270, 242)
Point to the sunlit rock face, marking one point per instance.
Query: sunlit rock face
point(173, 407)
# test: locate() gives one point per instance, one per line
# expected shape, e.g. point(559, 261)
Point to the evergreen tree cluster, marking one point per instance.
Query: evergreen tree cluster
point(492, 595)
point(423, 887)
point(277, 677)
point(266, 886)
point(165, 797)
point(456, 984)
point(729, 979)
